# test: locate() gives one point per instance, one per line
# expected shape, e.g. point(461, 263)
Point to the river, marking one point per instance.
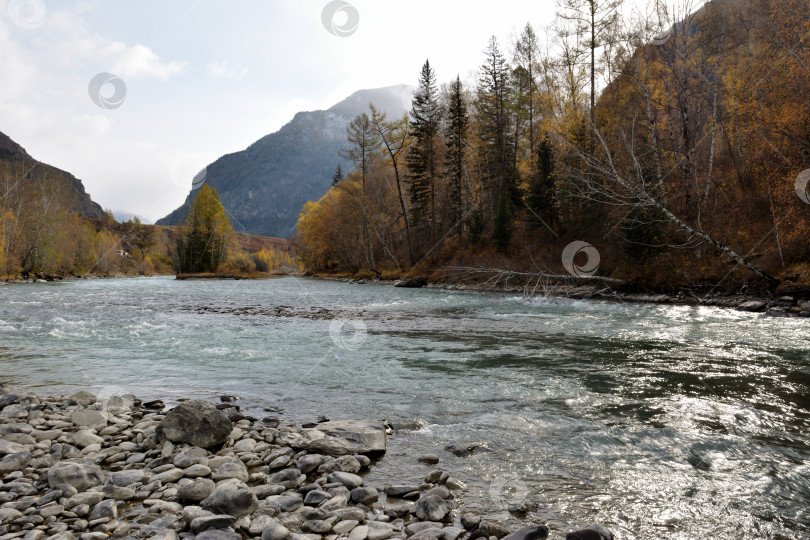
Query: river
point(659, 421)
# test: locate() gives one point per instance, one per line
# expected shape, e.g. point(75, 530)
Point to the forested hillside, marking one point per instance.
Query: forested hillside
point(664, 150)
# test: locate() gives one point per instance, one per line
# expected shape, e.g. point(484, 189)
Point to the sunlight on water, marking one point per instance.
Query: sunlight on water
point(659, 421)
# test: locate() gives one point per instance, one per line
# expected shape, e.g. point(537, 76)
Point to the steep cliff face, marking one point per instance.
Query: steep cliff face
point(77, 198)
point(264, 187)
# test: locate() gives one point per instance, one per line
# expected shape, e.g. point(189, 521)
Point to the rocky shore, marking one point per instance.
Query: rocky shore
point(87, 468)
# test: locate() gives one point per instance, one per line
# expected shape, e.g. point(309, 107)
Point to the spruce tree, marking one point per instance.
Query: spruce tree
point(422, 159)
point(456, 136)
point(338, 176)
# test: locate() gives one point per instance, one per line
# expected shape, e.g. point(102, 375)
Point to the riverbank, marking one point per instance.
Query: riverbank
point(96, 467)
point(784, 302)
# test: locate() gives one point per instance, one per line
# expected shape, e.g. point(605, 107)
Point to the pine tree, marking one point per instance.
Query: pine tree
point(338, 176)
point(502, 226)
point(423, 159)
point(456, 135)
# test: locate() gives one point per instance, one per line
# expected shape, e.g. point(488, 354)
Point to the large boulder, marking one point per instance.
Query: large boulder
point(81, 476)
point(195, 422)
point(343, 437)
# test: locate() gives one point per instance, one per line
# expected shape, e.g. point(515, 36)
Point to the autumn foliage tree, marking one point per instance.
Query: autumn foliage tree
point(207, 234)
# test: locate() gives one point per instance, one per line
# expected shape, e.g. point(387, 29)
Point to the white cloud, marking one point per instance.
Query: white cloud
point(224, 70)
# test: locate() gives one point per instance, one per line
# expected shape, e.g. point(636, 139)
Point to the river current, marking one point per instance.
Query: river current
point(658, 421)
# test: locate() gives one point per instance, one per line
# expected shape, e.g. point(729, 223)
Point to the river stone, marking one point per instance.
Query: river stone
point(81, 476)
point(317, 526)
point(8, 515)
point(267, 490)
point(289, 478)
point(167, 477)
point(104, 509)
point(535, 532)
point(349, 480)
point(430, 459)
point(432, 508)
point(364, 495)
point(196, 491)
point(14, 462)
point(164, 534)
point(63, 535)
point(285, 503)
point(351, 513)
point(345, 526)
point(233, 469)
point(85, 438)
point(9, 447)
point(470, 521)
point(196, 471)
point(195, 422)
point(275, 531)
point(118, 493)
point(231, 497)
point(258, 523)
point(377, 530)
point(83, 398)
point(127, 478)
point(493, 529)
point(316, 497)
point(400, 490)
point(343, 437)
point(170, 522)
point(310, 462)
point(88, 418)
point(218, 534)
point(359, 533)
point(467, 449)
point(217, 521)
point(441, 492)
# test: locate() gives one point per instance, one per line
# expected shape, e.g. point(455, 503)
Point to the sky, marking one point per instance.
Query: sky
point(178, 83)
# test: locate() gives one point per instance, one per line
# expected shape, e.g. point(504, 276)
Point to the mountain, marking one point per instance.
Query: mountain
point(264, 187)
point(78, 199)
point(122, 216)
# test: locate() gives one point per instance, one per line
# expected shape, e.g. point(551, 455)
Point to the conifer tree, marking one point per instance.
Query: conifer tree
point(423, 160)
point(456, 135)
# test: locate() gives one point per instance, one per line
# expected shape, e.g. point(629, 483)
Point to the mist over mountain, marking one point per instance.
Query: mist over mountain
point(264, 187)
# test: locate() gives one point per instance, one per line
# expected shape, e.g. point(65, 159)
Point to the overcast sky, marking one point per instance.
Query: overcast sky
point(204, 78)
